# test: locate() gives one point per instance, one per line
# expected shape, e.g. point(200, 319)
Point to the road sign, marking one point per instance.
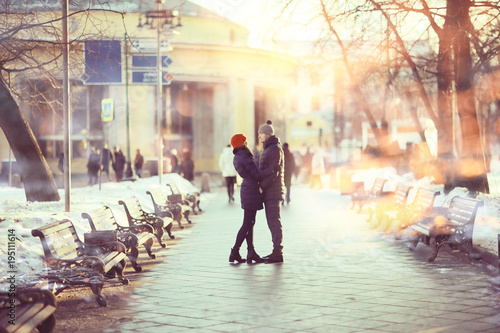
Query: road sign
point(166, 61)
point(150, 45)
point(168, 77)
point(107, 109)
point(139, 60)
point(150, 77)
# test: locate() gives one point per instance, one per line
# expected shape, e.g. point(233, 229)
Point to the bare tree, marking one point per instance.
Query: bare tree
point(455, 70)
point(30, 50)
point(466, 42)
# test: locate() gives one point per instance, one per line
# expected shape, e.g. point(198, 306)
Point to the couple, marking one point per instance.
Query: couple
point(262, 186)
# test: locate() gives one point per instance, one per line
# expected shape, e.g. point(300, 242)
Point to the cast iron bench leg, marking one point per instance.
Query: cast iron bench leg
point(148, 246)
point(168, 229)
point(97, 290)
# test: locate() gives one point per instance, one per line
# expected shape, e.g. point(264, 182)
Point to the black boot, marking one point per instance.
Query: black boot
point(275, 257)
point(235, 255)
point(252, 255)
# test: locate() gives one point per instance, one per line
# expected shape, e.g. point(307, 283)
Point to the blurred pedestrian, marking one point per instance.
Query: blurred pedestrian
point(120, 162)
point(250, 195)
point(174, 161)
point(289, 171)
point(61, 163)
point(138, 163)
point(113, 161)
point(187, 166)
point(306, 160)
point(317, 168)
point(228, 171)
point(106, 157)
point(273, 187)
point(94, 166)
point(298, 164)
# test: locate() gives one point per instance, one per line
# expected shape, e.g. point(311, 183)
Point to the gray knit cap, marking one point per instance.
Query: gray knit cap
point(267, 128)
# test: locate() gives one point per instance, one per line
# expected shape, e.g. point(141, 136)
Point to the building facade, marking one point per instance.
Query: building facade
point(214, 86)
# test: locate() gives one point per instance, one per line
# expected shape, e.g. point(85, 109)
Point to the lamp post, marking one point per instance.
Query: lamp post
point(66, 111)
point(162, 19)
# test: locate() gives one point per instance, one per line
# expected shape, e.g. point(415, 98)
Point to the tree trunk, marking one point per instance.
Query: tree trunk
point(471, 171)
point(445, 106)
point(39, 183)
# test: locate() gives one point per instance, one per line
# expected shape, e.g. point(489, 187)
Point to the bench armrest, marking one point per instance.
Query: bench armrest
point(152, 218)
point(89, 261)
point(137, 229)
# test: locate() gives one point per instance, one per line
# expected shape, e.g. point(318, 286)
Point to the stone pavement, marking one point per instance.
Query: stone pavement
point(338, 276)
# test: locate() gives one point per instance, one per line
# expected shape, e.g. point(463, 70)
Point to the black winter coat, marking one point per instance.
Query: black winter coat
point(251, 198)
point(272, 157)
point(289, 166)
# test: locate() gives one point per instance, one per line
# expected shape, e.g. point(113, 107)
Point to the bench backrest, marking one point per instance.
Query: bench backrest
point(157, 197)
point(132, 208)
point(59, 240)
point(101, 218)
point(173, 188)
point(401, 193)
point(378, 186)
point(462, 211)
point(424, 199)
point(176, 195)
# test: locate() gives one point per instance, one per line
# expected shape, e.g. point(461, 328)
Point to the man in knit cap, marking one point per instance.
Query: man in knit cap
point(273, 187)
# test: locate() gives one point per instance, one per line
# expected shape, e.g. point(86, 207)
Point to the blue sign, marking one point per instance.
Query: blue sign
point(149, 61)
point(103, 61)
point(150, 77)
point(107, 109)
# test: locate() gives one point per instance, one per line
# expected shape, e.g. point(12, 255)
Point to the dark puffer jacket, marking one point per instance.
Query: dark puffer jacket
point(272, 158)
point(251, 198)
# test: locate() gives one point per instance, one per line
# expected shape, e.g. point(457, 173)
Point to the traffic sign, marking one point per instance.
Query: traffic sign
point(168, 77)
point(139, 60)
point(107, 109)
point(166, 61)
point(150, 77)
point(150, 45)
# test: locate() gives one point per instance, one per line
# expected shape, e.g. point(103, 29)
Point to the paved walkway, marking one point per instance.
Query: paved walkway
point(338, 276)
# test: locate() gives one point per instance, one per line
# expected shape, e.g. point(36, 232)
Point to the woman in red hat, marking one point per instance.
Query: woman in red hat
point(251, 197)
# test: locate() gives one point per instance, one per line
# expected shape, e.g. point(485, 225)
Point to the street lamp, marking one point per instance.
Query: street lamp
point(161, 19)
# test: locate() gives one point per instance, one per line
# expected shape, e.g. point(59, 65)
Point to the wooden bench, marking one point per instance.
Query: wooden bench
point(25, 310)
point(103, 219)
point(190, 199)
point(392, 201)
point(177, 197)
point(362, 196)
point(71, 262)
point(165, 208)
point(454, 228)
point(181, 201)
point(420, 207)
point(137, 216)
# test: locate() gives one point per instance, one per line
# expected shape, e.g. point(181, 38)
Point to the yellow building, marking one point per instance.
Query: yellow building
point(312, 129)
point(219, 86)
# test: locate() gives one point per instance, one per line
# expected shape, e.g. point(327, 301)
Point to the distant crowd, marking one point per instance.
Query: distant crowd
point(100, 160)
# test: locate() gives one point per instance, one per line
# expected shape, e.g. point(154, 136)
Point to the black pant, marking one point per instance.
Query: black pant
point(288, 187)
point(273, 216)
point(246, 230)
point(230, 181)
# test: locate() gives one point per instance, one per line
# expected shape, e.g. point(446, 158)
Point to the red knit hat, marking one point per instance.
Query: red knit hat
point(238, 140)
